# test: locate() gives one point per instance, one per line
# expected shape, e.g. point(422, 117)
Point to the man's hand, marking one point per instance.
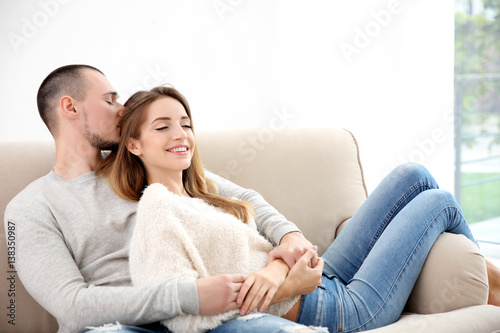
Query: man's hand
point(292, 247)
point(302, 279)
point(217, 294)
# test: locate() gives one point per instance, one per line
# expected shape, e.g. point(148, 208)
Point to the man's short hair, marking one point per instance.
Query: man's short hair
point(67, 80)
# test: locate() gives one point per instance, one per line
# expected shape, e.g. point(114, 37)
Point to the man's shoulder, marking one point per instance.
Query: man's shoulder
point(27, 202)
point(32, 190)
point(52, 189)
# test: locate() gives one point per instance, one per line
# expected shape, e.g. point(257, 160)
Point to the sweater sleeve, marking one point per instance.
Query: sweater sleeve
point(269, 221)
point(61, 289)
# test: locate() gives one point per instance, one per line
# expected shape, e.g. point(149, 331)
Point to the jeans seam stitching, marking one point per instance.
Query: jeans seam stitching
point(404, 266)
point(395, 208)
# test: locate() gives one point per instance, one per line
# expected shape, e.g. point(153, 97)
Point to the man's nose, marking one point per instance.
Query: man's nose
point(121, 108)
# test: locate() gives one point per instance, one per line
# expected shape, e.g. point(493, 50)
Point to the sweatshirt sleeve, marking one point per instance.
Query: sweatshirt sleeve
point(62, 291)
point(269, 221)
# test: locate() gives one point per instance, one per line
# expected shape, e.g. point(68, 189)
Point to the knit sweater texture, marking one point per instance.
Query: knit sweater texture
point(188, 238)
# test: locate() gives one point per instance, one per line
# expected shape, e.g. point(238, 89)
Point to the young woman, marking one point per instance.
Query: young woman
point(185, 229)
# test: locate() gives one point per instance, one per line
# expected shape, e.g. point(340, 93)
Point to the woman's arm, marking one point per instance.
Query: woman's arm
point(260, 287)
point(277, 283)
point(302, 278)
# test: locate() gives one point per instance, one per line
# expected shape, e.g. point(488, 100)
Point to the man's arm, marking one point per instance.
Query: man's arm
point(292, 247)
point(50, 275)
point(292, 244)
point(217, 294)
point(269, 221)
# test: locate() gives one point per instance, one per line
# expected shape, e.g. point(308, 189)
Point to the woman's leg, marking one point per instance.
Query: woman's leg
point(350, 248)
point(118, 328)
point(377, 293)
point(261, 322)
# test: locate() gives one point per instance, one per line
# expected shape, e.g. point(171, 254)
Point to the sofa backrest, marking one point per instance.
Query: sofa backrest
point(20, 164)
point(312, 176)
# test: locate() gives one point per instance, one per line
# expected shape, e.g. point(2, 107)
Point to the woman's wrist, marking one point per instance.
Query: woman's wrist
point(284, 292)
point(279, 265)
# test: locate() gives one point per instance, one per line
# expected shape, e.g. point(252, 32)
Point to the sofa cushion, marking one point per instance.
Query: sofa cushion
point(454, 276)
point(473, 319)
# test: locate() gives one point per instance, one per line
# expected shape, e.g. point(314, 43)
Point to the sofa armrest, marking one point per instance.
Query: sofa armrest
point(454, 276)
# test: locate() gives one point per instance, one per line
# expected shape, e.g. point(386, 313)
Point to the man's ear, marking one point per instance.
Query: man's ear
point(67, 105)
point(134, 147)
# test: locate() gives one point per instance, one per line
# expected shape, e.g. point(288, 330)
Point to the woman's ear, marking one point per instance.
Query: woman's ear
point(134, 146)
point(67, 105)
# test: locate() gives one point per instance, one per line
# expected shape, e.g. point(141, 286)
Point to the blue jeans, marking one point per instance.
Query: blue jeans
point(372, 266)
point(256, 322)
point(117, 328)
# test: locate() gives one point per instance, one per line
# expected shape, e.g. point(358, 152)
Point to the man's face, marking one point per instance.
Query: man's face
point(100, 112)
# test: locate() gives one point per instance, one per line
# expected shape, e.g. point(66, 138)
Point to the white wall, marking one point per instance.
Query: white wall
point(382, 69)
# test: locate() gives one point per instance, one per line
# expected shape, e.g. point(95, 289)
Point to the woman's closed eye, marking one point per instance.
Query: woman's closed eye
point(165, 127)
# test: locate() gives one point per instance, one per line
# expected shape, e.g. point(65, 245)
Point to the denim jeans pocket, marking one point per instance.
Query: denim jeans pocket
point(329, 276)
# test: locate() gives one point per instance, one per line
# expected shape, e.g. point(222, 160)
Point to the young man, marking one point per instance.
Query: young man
point(74, 232)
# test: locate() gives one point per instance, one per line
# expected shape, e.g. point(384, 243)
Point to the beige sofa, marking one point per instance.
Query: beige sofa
point(314, 177)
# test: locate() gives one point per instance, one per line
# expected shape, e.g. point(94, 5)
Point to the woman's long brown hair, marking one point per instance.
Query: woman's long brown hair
point(126, 174)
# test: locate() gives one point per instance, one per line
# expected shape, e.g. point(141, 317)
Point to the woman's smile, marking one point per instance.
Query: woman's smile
point(179, 150)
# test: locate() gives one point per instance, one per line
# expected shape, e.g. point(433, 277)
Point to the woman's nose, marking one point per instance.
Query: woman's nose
point(180, 133)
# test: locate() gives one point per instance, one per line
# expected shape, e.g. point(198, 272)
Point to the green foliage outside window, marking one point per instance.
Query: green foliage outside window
point(477, 93)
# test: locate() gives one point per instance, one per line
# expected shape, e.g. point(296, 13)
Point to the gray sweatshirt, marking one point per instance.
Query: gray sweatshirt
point(72, 246)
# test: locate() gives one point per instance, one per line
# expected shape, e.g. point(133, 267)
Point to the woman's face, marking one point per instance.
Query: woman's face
point(166, 142)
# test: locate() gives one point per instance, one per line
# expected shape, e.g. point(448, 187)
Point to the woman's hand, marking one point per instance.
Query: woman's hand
point(259, 287)
point(302, 279)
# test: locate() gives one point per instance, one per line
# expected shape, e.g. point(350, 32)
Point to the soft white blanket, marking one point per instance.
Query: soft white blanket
point(186, 237)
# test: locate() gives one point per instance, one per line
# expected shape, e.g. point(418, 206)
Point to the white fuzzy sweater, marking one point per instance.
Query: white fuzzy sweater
point(188, 238)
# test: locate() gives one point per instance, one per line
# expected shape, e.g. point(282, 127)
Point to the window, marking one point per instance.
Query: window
point(477, 115)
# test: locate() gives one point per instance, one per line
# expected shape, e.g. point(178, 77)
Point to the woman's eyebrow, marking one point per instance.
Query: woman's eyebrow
point(168, 118)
